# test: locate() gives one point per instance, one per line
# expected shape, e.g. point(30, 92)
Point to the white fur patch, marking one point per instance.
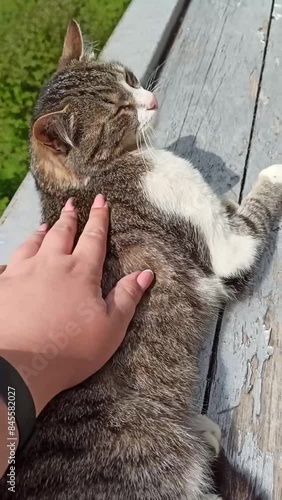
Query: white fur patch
point(213, 289)
point(273, 173)
point(176, 188)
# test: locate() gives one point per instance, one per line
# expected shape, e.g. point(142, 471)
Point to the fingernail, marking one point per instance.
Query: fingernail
point(69, 206)
point(43, 227)
point(99, 201)
point(145, 279)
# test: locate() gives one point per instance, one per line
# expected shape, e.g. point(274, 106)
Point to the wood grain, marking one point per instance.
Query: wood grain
point(246, 396)
point(208, 87)
point(208, 90)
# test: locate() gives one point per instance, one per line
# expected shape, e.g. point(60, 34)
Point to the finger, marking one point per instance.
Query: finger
point(60, 238)
point(92, 244)
point(124, 298)
point(30, 247)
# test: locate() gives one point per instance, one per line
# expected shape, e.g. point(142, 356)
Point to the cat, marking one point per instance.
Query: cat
point(130, 432)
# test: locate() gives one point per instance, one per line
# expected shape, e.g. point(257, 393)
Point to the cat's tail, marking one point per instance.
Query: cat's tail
point(232, 484)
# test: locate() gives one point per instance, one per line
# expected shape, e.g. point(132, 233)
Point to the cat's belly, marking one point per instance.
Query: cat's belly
point(177, 189)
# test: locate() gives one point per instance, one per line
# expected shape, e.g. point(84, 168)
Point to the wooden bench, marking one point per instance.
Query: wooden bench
point(220, 105)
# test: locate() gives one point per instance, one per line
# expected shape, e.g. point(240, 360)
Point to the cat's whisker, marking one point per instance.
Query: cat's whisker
point(159, 85)
point(149, 145)
point(92, 47)
point(151, 142)
point(153, 84)
point(152, 130)
point(143, 137)
point(150, 81)
point(139, 146)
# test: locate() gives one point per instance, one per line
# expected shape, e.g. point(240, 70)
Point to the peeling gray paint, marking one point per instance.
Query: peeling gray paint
point(248, 448)
point(249, 359)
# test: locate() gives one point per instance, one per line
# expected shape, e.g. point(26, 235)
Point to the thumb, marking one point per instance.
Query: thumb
point(124, 298)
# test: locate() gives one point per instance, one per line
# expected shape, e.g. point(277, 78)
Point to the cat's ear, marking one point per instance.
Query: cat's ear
point(53, 131)
point(73, 45)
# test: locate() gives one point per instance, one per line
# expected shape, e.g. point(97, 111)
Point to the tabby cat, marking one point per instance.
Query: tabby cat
point(130, 432)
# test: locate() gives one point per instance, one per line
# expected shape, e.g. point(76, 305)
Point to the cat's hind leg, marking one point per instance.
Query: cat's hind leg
point(231, 206)
point(211, 434)
point(249, 227)
point(208, 435)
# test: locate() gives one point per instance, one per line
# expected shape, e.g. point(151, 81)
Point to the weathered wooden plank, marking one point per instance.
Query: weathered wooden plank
point(138, 41)
point(20, 218)
point(246, 396)
point(207, 94)
point(209, 87)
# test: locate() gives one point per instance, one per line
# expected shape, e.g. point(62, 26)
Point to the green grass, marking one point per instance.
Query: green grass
point(31, 34)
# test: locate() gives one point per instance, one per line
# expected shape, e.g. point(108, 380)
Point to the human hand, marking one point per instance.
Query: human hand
point(56, 329)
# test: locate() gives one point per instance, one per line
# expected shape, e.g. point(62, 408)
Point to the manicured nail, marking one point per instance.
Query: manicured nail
point(99, 201)
point(145, 279)
point(69, 206)
point(43, 227)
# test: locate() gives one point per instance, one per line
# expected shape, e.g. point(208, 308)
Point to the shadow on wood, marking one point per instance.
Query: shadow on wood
point(211, 166)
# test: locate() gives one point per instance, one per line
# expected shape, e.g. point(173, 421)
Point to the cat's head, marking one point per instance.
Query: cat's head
point(89, 111)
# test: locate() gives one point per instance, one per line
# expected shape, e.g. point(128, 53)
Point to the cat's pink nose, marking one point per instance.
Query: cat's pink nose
point(153, 103)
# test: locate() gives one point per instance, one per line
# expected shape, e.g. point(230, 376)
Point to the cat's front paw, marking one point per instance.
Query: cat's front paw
point(273, 174)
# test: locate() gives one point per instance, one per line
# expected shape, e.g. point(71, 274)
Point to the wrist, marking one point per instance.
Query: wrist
point(39, 378)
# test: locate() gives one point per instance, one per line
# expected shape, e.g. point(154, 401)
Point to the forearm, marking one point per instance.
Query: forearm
point(41, 379)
